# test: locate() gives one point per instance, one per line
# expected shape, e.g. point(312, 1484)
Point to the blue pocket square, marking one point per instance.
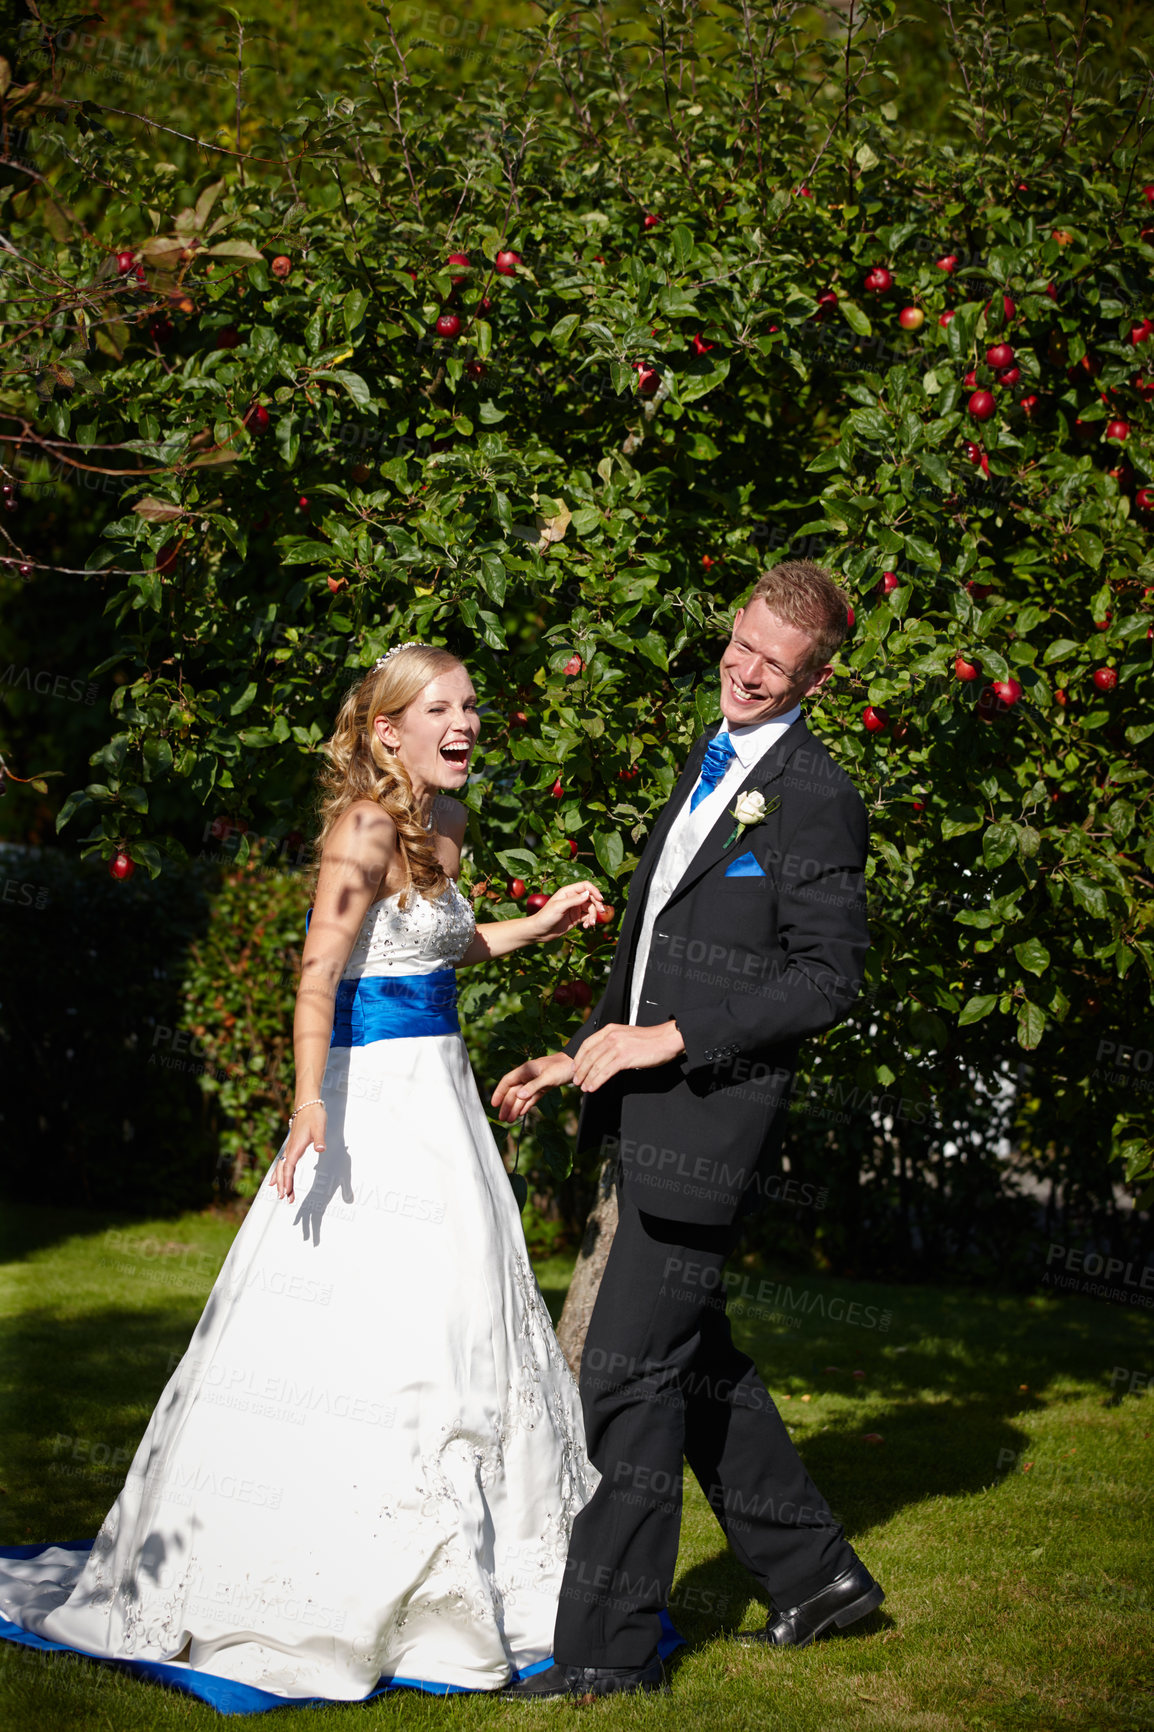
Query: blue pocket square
point(745, 866)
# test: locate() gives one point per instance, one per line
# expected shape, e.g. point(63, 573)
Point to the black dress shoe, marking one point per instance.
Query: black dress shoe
point(585, 1681)
point(846, 1599)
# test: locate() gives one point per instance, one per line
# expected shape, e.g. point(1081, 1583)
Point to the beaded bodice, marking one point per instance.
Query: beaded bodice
point(415, 940)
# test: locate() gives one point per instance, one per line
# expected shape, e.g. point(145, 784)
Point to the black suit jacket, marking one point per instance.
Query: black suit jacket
point(747, 966)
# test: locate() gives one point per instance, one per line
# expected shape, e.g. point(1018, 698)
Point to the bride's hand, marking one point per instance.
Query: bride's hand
point(573, 904)
point(520, 1089)
point(308, 1127)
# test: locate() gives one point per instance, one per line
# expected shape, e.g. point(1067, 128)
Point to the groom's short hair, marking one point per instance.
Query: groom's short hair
point(805, 596)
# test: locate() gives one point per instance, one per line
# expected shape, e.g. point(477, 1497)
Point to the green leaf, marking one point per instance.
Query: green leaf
point(959, 820)
point(1033, 956)
point(356, 387)
point(564, 329)
point(353, 309)
point(681, 242)
point(1059, 650)
point(1031, 1025)
point(998, 843)
point(976, 1008)
point(76, 803)
point(610, 851)
point(1089, 896)
point(236, 249)
point(855, 318)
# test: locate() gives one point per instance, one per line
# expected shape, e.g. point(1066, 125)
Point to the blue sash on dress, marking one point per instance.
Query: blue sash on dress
point(395, 1007)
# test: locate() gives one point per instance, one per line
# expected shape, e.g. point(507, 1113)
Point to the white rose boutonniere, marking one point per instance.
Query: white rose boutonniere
point(751, 808)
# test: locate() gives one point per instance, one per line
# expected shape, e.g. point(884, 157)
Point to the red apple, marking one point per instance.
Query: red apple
point(878, 280)
point(648, 378)
point(966, 670)
point(448, 325)
point(1030, 403)
point(563, 992)
point(1007, 691)
point(948, 263)
point(505, 264)
point(516, 889)
point(518, 719)
point(650, 220)
point(1141, 333)
point(849, 617)
point(888, 582)
point(120, 866)
point(911, 318)
point(604, 915)
point(1062, 236)
point(1144, 499)
point(302, 503)
point(557, 789)
point(572, 848)
point(1051, 291)
point(1119, 430)
point(336, 583)
point(944, 318)
point(124, 263)
point(461, 259)
point(700, 347)
point(981, 405)
point(971, 379)
point(1008, 307)
point(581, 994)
point(1148, 194)
point(874, 720)
point(1143, 386)
point(537, 901)
point(169, 554)
point(573, 666)
point(826, 302)
point(1000, 355)
point(281, 267)
point(1105, 679)
point(256, 419)
point(1060, 697)
point(1009, 376)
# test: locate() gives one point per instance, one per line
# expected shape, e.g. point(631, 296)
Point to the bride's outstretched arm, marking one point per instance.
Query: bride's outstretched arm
point(357, 856)
point(573, 904)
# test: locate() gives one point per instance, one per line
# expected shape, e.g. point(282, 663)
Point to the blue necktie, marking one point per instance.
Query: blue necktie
point(719, 754)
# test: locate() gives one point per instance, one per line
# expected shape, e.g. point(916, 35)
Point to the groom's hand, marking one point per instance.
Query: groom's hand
point(620, 1046)
point(520, 1089)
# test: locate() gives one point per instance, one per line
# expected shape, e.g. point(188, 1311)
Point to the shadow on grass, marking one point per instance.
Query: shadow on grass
point(77, 1393)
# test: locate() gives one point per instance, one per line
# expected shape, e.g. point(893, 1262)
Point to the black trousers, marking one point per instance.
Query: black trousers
point(661, 1380)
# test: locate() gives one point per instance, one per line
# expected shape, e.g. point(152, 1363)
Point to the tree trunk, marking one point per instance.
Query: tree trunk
point(582, 1294)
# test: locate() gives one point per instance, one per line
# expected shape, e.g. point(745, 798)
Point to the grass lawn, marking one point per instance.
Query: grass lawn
point(1005, 1503)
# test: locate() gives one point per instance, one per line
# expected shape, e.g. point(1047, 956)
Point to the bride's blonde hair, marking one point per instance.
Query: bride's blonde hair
point(361, 767)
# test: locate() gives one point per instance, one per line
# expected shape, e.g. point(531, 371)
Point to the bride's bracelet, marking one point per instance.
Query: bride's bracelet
point(317, 1103)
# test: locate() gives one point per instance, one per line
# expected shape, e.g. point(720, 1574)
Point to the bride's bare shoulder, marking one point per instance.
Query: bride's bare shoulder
point(364, 832)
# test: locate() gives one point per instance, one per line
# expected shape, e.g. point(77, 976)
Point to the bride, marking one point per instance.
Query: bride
point(365, 1468)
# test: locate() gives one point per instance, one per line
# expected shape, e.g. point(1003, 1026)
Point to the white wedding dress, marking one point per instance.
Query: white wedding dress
point(365, 1468)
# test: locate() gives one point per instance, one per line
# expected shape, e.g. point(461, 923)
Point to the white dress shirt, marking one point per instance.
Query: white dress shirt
point(689, 830)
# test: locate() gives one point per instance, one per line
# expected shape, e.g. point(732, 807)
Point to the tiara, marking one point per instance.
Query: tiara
point(396, 650)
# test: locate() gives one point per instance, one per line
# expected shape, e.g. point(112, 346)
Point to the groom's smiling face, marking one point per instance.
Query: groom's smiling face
point(765, 671)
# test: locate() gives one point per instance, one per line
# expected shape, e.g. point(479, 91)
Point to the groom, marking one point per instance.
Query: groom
point(745, 931)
